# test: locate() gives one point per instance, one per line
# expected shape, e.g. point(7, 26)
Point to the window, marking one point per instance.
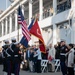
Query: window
point(64, 5)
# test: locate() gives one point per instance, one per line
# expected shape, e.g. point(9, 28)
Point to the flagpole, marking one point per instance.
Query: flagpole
point(18, 27)
point(18, 33)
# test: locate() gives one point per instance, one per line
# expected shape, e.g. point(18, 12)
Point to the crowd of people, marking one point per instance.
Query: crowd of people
point(62, 51)
point(66, 54)
point(33, 57)
point(12, 53)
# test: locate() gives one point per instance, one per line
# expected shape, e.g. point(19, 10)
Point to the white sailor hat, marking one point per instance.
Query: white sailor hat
point(6, 41)
point(13, 39)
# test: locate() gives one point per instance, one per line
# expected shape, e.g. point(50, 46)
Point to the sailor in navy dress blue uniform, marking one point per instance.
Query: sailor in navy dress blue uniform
point(63, 51)
point(4, 56)
point(17, 58)
point(7, 54)
point(12, 45)
point(9, 60)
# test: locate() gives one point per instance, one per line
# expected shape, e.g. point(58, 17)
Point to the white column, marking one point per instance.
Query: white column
point(6, 26)
point(72, 3)
point(10, 23)
point(40, 9)
point(73, 21)
point(16, 20)
point(73, 31)
point(72, 34)
point(2, 28)
point(54, 25)
point(16, 25)
point(72, 7)
point(2, 23)
point(30, 10)
point(54, 7)
point(54, 34)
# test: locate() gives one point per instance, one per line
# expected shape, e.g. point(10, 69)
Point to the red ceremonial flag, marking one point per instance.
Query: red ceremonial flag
point(35, 30)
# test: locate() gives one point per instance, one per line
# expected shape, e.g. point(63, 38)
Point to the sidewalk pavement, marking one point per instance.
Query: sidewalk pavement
point(22, 72)
point(48, 73)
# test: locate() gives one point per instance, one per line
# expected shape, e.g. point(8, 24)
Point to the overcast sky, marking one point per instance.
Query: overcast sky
point(3, 4)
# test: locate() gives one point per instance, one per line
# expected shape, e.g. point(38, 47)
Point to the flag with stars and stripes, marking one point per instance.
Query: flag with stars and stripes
point(23, 41)
point(23, 23)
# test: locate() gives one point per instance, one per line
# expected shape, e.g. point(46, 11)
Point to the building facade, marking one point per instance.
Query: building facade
point(56, 19)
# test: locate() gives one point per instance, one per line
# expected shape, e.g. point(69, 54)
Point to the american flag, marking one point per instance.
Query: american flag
point(23, 23)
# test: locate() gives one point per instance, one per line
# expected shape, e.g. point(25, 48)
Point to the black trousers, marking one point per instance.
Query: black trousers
point(38, 66)
point(70, 71)
point(35, 67)
point(63, 68)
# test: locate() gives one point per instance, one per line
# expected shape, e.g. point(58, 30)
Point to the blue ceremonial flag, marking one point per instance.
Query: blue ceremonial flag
point(23, 41)
point(23, 23)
